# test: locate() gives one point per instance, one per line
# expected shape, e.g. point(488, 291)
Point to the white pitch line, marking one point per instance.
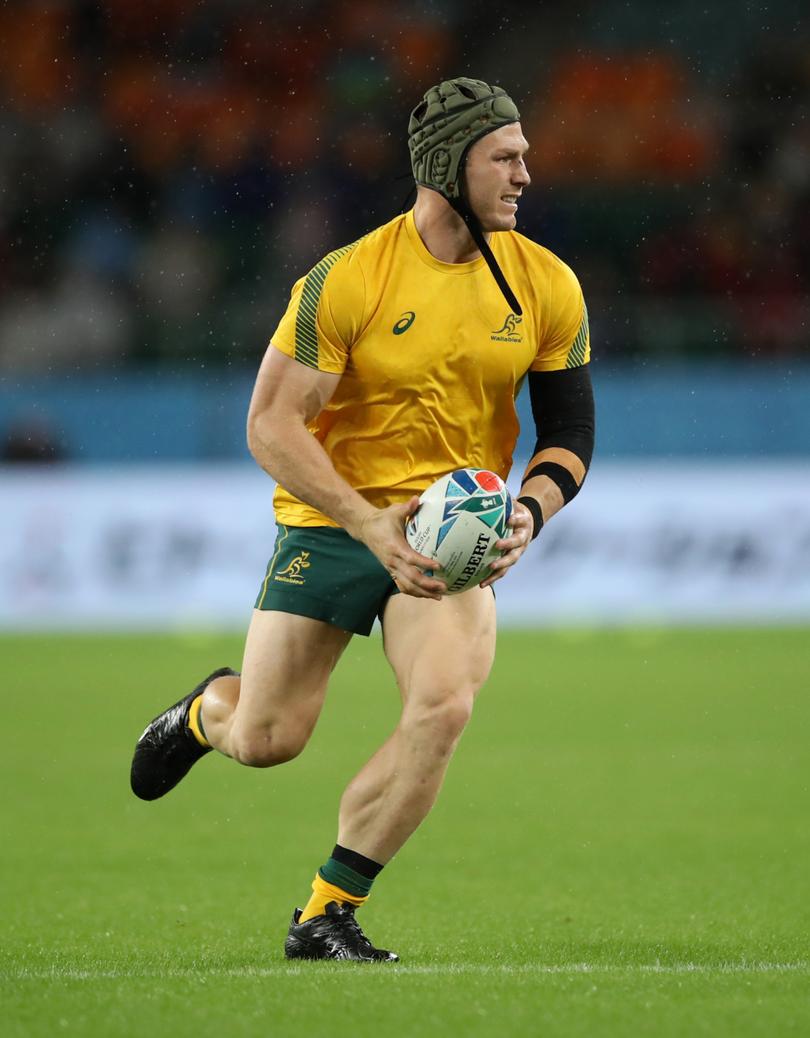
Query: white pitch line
point(674, 969)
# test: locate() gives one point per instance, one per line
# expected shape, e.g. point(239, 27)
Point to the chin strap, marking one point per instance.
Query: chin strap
point(474, 227)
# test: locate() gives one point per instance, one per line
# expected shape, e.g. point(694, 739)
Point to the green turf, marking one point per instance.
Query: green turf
point(622, 848)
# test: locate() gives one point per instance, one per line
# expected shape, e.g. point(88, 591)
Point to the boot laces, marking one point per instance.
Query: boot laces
point(348, 923)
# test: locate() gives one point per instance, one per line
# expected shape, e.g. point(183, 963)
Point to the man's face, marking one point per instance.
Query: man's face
point(496, 175)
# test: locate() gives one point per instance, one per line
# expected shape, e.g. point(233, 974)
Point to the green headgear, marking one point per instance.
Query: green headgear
point(448, 120)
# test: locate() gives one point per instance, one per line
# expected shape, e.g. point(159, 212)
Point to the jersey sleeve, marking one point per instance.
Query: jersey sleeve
point(565, 341)
point(325, 313)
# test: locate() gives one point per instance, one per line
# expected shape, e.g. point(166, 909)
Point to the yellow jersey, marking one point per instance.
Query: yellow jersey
point(431, 360)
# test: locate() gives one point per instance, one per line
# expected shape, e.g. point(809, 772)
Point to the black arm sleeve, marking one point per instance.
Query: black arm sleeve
point(563, 409)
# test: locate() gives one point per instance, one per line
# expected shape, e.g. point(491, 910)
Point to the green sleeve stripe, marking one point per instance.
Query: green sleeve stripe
point(306, 333)
point(576, 355)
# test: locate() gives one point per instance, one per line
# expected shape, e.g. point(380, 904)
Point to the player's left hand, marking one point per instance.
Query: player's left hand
point(512, 546)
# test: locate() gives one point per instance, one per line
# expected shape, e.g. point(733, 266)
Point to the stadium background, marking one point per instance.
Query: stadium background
point(168, 169)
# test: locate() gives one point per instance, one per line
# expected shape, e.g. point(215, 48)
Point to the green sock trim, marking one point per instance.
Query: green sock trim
point(340, 875)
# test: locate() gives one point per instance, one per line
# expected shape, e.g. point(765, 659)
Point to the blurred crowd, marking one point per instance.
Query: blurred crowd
point(169, 167)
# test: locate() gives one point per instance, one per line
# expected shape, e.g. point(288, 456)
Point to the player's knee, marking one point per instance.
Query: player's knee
point(266, 747)
point(442, 716)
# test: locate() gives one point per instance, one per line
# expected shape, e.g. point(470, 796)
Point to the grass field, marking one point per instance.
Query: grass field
point(622, 848)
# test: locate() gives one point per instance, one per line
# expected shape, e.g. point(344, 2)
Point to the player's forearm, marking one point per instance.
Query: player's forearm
point(544, 490)
point(288, 451)
point(563, 410)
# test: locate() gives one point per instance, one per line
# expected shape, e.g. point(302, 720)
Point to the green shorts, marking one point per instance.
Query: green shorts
point(322, 572)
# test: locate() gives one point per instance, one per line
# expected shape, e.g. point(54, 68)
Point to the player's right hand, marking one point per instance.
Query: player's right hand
point(383, 532)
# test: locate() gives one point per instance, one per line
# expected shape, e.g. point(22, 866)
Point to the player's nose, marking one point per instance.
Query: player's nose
point(520, 176)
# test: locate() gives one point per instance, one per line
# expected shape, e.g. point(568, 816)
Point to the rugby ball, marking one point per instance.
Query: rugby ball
point(458, 521)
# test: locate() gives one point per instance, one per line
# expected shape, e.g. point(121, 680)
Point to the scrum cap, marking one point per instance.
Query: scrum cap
point(448, 120)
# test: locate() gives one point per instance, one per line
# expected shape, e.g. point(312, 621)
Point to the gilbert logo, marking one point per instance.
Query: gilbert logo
point(404, 323)
point(292, 574)
point(507, 332)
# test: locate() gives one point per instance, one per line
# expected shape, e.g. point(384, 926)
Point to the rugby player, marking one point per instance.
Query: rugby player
point(397, 361)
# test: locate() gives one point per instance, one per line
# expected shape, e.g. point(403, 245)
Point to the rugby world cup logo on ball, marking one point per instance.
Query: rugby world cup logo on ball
point(459, 519)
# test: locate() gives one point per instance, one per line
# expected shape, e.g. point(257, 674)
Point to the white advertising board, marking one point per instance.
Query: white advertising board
point(175, 547)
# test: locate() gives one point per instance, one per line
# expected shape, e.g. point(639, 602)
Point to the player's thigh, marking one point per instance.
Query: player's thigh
point(441, 652)
point(285, 670)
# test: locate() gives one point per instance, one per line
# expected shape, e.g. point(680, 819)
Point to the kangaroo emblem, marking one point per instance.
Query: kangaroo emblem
point(509, 325)
point(298, 563)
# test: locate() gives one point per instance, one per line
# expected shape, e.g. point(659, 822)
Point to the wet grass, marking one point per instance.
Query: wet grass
point(621, 848)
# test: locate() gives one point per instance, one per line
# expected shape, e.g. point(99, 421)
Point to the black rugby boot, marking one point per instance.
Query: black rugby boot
point(336, 935)
point(167, 749)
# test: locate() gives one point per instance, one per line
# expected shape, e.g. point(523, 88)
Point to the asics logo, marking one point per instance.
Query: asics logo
point(404, 323)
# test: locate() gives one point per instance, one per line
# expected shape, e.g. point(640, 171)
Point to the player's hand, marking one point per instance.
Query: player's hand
point(512, 545)
point(383, 532)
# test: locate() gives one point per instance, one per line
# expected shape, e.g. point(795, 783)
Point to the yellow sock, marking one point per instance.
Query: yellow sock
point(322, 894)
point(194, 722)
